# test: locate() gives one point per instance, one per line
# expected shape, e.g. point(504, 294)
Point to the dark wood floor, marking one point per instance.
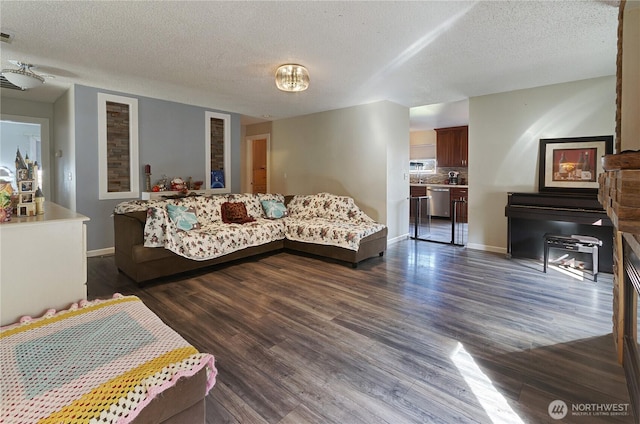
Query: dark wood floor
point(428, 333)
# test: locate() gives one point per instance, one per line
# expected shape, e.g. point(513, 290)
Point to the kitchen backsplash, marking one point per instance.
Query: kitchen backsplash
point(440, 177)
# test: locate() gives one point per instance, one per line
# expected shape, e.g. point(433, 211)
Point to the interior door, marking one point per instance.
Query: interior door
point(259, 165)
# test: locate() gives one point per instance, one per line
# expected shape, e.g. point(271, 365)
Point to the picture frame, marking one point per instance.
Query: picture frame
point(572, 165)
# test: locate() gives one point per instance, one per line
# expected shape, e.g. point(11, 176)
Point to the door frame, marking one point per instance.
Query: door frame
point(249, 160)
point(48, 173)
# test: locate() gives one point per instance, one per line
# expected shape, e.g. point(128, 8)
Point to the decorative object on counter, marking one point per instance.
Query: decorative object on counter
point(571, 164)
point(39, 202)
point(6, 208)
point(163, 183)
point(178, 184)
point(147, 173)
point(197, 185)
point(25, 173)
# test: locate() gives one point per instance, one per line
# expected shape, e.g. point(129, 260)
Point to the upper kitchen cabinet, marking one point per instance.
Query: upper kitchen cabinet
point(452, 146)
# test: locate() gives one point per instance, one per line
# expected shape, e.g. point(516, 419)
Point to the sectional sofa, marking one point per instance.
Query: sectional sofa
point(157, 238)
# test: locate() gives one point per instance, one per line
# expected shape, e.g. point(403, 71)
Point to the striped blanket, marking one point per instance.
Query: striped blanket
point(97, 362)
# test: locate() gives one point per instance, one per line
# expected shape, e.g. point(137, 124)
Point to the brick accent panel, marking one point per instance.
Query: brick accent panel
point(217, 144)
point(118, 155)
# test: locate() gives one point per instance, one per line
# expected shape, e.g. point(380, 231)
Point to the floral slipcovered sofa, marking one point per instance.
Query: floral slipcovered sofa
point(156, 238)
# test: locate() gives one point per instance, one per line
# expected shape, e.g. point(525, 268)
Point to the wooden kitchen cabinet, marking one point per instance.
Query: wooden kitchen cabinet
point(462, 211)
point(452, 147)
point(415, 191)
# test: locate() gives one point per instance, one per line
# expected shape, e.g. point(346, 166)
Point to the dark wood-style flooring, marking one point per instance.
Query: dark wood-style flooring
point(428, 333)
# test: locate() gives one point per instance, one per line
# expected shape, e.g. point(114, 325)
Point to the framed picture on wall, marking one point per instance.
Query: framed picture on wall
point(572, 164)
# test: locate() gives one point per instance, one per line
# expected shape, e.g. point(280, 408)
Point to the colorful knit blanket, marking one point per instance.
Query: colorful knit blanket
point(97, 362)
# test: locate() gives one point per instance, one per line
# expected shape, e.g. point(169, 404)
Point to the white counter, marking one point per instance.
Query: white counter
point(439, 185)
point(43, 262)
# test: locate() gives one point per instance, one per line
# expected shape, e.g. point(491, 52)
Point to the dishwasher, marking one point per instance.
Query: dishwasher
point(439, 202)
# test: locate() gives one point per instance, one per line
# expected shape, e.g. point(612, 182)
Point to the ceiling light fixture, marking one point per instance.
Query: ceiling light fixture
point(23, 77)
point(292, 78)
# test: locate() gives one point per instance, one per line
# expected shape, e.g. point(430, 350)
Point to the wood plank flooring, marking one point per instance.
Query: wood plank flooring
point(428, 333)
point(439, 230)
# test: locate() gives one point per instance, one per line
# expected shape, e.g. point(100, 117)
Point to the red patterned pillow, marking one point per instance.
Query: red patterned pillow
point(235, 213)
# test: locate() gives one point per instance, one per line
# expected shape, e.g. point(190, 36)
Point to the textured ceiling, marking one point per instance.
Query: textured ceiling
point(223, 55)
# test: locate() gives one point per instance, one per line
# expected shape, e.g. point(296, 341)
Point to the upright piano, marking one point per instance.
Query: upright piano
point(531, 215)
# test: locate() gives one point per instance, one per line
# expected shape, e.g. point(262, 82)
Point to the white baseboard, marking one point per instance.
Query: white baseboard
point(494, 249)
point(101, 252)
point(397, 239)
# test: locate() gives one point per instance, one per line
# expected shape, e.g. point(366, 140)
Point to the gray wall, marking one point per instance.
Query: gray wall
point(171, 140)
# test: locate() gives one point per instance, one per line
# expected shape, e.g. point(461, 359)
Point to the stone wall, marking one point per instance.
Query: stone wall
point(118, 162)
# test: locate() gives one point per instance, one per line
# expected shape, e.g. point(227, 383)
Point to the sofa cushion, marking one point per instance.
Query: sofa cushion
point(345, 234)
point(219, 239)
point(235, 213)
point(300, 207)
point(251, 202)
point(330, 206)
point(274, 209)
point(210, 208)
point(184, 217)
point(326, 206)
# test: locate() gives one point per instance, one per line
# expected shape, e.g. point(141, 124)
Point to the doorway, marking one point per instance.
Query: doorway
point(258, 147)
point(30, 136)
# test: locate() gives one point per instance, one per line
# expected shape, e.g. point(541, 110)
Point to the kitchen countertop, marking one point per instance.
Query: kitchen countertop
point(439, 185)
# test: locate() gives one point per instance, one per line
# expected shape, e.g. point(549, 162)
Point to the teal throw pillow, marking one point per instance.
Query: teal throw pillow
point(274, 209)
point(183, 217)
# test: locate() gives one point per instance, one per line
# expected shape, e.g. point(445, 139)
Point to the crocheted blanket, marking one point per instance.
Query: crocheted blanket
point(97, 362)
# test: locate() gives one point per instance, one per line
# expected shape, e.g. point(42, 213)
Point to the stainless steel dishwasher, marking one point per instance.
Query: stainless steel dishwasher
point(440, 201)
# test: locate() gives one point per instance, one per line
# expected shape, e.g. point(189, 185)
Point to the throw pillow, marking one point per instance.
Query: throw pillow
point(274, 209)
point(183, 217)
point(235, 213)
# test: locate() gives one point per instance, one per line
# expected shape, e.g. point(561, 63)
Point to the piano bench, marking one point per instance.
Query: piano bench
point(575, 243)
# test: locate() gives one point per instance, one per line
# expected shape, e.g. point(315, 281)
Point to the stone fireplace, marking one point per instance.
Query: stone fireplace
point(619, 194)
point(631, 332)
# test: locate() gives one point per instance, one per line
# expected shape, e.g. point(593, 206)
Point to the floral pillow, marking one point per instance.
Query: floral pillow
point(183, 217)
point(235, 213)
point(274, 209)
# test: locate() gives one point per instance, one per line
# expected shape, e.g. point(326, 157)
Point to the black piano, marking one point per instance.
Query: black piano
point(531, 215)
